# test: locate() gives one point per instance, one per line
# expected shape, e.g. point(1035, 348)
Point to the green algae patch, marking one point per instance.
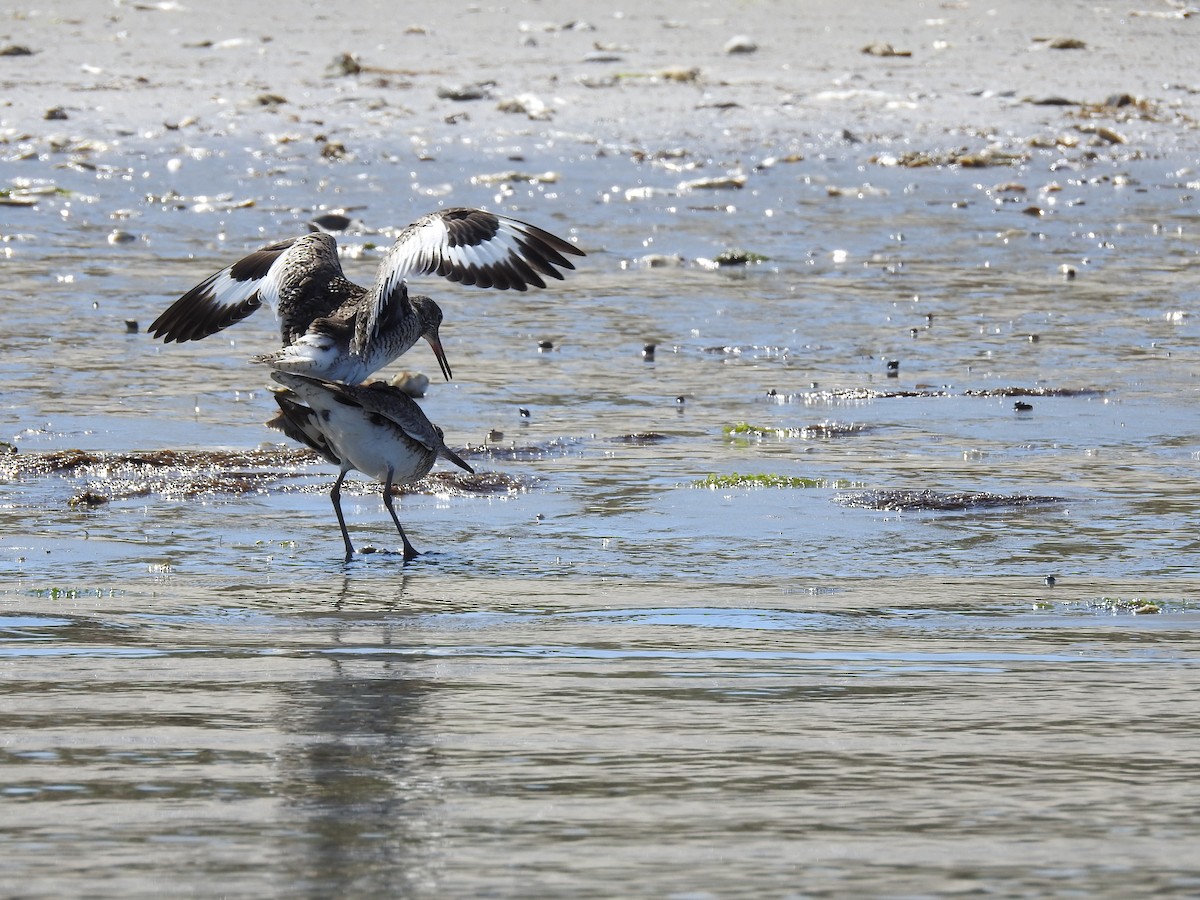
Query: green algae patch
point(1135, 605)
point(745, 429)
point(1121, 605)
point(761, 480)
point(739, 257)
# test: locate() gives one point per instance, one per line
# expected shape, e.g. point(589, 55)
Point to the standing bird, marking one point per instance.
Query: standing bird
point(374, 428)
point(337, 330)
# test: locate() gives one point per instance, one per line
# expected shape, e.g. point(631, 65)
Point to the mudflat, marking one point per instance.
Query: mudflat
point(727, 75)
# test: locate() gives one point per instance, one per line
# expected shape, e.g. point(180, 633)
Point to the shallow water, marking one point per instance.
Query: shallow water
point(461, 735)
point(612, 680)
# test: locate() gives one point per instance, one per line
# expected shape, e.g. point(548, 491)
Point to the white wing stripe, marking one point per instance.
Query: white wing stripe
point(225, 291)
point(493, 251)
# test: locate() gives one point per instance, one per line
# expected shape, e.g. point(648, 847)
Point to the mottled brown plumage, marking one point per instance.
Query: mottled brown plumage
point(374, 428)
point(335, 329)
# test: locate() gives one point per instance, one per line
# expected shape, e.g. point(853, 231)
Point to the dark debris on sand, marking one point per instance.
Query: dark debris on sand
point(1035, 392)
point(462, 484)
point(97, 463)
point(519, 453)
point(186, 474)
point(862, 394)
point(639, 438)
point(952, 501)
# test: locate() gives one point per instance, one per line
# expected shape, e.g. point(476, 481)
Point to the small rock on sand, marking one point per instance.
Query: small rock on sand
point(740, 44)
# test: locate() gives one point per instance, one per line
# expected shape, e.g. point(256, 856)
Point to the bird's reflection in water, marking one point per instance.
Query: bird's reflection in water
point(360, 773)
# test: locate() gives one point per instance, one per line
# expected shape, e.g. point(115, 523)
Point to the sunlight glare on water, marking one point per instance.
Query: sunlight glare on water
point(877, 577)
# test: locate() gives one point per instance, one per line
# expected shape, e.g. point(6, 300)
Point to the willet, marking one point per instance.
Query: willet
point(374, 428)
point(335, 329)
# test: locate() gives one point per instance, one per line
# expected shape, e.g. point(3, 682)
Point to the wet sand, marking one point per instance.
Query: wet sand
point(656, 75)
point(928, 641)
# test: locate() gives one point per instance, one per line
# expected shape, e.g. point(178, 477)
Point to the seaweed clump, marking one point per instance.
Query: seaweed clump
point(940, 501)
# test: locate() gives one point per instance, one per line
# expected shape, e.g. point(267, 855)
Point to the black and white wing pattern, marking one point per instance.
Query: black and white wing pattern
point(474, 247)
point(291, 276)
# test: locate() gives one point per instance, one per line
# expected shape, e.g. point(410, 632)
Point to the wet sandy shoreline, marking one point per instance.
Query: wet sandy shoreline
point(126, 75)
point(188, 134)
point(678, 666)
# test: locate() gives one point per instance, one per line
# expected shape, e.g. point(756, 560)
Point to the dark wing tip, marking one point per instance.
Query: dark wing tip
point(530, 254)
point(195, 316)
point(554, 242)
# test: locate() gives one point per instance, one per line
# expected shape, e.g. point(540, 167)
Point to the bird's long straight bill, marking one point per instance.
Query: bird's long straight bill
point(436, 343)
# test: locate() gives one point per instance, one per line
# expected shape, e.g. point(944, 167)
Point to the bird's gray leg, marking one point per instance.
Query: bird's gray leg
point(336, 496)
point(410, 552)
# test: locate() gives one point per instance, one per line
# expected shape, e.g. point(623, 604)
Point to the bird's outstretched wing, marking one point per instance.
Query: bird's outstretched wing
point(476, 247)
point(471, 246)
point(230, 295)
